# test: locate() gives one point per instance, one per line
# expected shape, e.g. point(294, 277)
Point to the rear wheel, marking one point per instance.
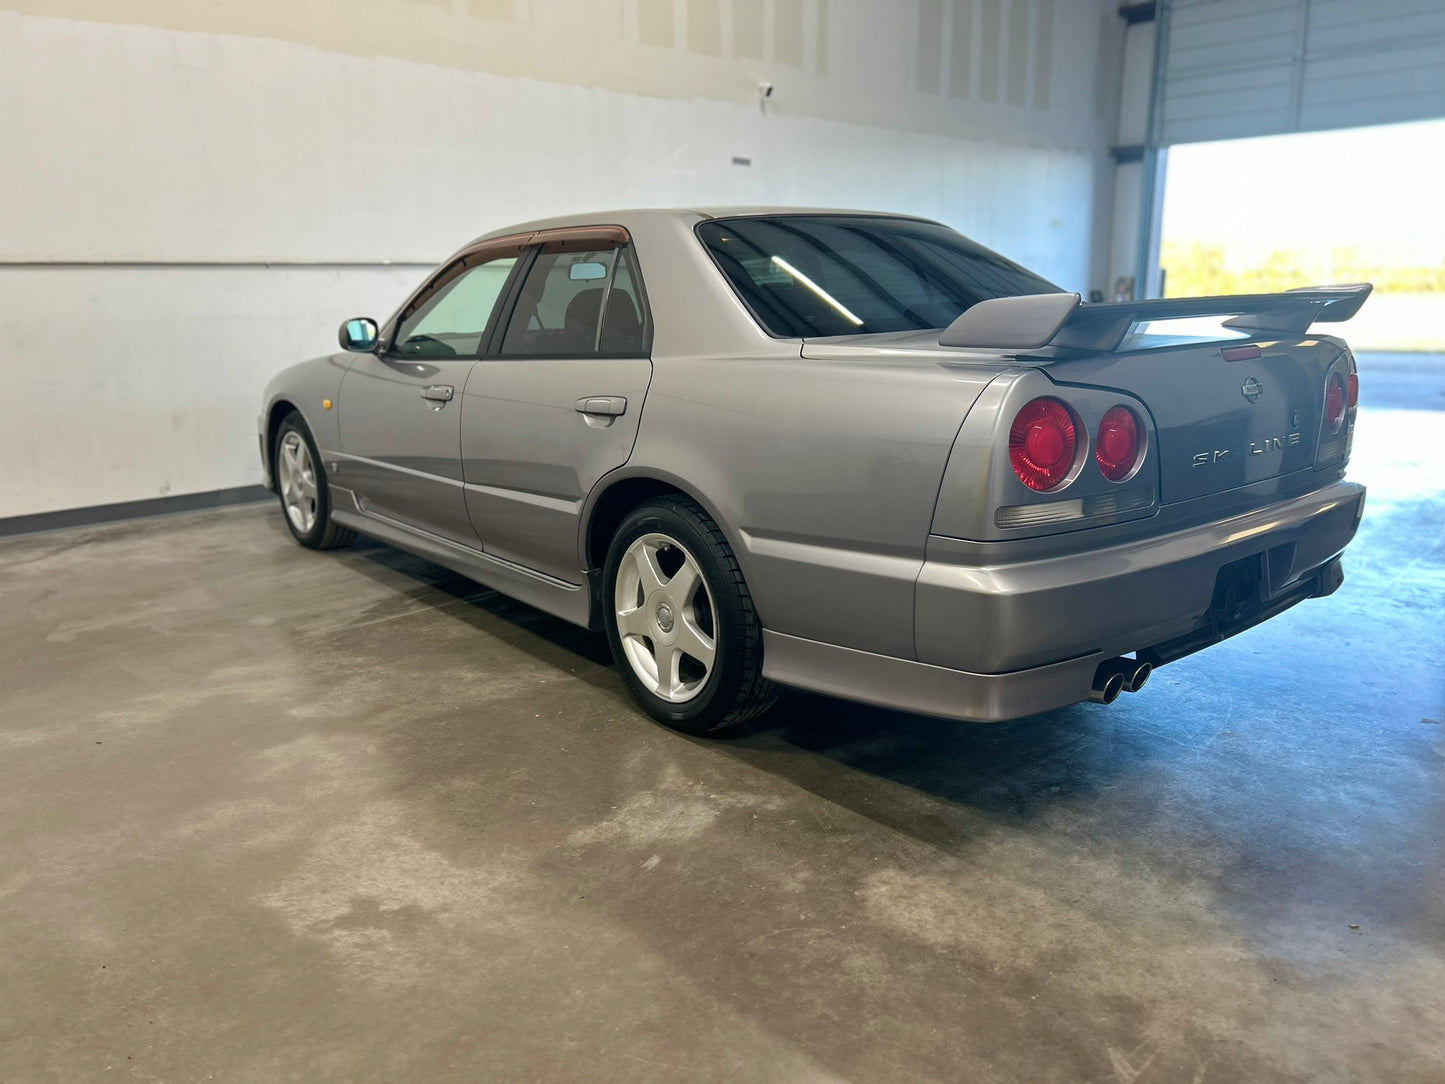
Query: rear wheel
point(681, 621)
point(301, 485)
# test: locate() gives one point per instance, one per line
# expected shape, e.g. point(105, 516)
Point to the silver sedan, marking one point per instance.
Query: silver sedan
point(846, 452)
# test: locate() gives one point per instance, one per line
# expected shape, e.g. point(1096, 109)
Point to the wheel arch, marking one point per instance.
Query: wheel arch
point(275, 415)
point(620, 492)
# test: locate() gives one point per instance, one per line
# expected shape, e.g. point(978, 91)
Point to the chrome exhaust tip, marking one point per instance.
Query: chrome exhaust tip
point(1121, 675)
point(1108, 684)
point(1138, 677)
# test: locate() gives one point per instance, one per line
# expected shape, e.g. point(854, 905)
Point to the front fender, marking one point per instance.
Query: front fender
point(307, 387)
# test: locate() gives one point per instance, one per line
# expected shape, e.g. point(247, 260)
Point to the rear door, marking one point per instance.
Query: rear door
point(555, 402)
point(401, 409)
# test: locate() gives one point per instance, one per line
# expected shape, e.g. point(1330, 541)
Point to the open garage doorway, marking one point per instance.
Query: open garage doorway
point(1278, 212)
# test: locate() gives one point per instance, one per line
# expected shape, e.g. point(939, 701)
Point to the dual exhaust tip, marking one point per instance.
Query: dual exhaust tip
point(1117, 676)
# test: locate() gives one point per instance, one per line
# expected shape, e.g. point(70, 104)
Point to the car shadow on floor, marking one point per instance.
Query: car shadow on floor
point(1010, 771)
point(890, 759)
point(520, 625)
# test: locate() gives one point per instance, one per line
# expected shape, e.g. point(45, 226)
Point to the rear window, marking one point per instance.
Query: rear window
point(805, 276)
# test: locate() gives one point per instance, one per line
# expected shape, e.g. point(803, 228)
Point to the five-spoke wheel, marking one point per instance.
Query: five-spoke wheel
point(665, 618)
point(680, 620)
point(301, 485)
point(296, 472)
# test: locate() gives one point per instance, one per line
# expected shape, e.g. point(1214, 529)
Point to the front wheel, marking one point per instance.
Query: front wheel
point(301, 485)
point(681, 621)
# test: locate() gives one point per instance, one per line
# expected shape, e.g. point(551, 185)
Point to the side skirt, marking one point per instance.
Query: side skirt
point(568, 601)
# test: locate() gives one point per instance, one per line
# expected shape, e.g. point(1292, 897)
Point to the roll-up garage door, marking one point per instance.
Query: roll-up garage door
point(1237, 68)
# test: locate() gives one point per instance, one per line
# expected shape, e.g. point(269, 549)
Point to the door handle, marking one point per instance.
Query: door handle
point(438, 393)
point(607, 406)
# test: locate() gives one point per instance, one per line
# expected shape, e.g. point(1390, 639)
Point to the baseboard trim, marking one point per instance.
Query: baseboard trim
point(111, 513)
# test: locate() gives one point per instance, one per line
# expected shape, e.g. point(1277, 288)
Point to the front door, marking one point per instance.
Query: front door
point(555, 405)
point(401, 409)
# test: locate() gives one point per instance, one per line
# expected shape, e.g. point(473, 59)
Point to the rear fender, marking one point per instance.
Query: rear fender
point(823, 474)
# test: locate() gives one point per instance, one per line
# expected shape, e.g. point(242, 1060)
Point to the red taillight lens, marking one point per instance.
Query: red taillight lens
point(1354, 389)
point(1117, 449)
point(1335, 399)
point(1041, 444)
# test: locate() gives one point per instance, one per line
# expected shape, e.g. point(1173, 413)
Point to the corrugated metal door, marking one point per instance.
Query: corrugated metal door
point(1237, 68)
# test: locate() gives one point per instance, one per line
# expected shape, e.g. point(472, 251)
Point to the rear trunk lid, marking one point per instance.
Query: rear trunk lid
point(1225, 414)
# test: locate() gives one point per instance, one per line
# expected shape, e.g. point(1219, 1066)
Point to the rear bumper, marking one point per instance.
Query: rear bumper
point(1004, 641)
point(918, 687)
point(1000, 618)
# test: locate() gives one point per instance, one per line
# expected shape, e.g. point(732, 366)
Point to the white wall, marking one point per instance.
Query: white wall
point(173, 143)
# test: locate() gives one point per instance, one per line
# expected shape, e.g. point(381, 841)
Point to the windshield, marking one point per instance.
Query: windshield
point(804, 276)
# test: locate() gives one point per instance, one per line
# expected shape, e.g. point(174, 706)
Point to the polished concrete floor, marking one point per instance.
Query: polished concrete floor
point(267, 814)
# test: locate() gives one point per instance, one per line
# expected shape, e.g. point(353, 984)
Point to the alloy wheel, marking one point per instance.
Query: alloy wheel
point(666, 618)
point(298, 482)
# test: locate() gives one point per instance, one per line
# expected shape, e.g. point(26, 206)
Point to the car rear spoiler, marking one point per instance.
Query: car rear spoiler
point(1039, 320)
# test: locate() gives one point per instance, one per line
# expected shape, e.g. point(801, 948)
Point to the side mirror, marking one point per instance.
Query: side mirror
point(359, 334)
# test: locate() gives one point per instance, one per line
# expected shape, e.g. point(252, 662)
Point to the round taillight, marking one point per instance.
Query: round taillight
point(1354, 388)
point(1335, 399)
point(1117, 449)
point(1042, 443)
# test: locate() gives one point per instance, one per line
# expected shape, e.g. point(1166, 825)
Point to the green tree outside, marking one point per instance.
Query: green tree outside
point(1199, 269)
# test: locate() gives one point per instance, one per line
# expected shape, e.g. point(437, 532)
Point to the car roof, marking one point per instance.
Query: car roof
point(696, 214)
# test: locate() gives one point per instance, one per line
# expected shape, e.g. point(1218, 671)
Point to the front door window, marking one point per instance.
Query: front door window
point(452, 322)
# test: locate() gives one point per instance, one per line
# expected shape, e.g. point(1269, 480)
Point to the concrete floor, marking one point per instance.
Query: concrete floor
point(267, 814)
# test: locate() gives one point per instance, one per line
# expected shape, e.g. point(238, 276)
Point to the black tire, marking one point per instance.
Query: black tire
point(325, 533)
point(734, 691)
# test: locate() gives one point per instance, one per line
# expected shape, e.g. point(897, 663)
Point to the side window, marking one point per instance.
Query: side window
point(577, 304)
point(452, 321)
point(624, 326)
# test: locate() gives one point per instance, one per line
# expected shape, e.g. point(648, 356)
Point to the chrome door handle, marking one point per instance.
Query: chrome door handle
point(607, 406)
point(438, 393)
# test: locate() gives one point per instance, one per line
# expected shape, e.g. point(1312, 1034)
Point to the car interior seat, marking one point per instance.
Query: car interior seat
point(621, 333)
